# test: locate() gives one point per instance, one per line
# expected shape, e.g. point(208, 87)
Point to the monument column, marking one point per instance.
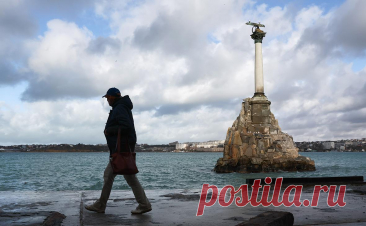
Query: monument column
point(259, 86)
point(258, 35)
point(260, 110)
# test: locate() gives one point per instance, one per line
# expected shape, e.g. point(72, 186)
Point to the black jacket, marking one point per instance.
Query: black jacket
point(121, 117)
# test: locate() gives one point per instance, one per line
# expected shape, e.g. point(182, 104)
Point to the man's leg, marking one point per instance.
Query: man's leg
point(107, 186)
point(100, 205)
point(138, 191)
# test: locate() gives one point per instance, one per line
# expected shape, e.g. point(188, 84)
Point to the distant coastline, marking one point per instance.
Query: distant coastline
point(59, 148)
point(209, 146)
point(191, 151)
point(351, 145)
point(71, 151)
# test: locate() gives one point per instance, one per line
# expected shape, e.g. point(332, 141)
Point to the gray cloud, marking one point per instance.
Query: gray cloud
point(8, 74)
point(16, 26)
point(175, 34)
point(363, 90)
point(100, 45)
point(348, 27)
point(58, 88)
point(175, 109)
point(16, 21)
point(357, 116)
point(345, 30)
point(56, 9)
point(332, 126)
point(283, 92)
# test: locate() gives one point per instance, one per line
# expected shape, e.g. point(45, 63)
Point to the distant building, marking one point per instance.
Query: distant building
point(174, 143)
point(210, 144)
point(329, 145)
point(338, 145)
point(351, 143)
point(181, 146)
point(195, 145)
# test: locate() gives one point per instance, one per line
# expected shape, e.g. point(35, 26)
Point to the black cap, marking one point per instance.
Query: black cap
point(113, 92)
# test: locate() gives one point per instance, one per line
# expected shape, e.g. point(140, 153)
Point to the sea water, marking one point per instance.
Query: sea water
point(84, 171)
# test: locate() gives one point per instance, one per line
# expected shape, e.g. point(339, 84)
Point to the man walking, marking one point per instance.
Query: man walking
point(120, 117)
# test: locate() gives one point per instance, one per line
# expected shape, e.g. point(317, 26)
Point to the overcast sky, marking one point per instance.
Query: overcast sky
point(186, 65)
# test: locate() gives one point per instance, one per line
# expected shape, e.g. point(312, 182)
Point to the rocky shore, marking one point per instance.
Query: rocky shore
point(246, 164)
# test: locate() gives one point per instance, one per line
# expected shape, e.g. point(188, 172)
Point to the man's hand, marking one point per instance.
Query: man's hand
point(105, 132)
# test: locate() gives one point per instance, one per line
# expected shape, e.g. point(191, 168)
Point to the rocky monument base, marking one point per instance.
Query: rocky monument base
point(255, 143)
point(257, 165)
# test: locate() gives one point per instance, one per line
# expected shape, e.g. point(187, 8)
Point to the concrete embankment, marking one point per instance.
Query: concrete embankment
point(170, 207)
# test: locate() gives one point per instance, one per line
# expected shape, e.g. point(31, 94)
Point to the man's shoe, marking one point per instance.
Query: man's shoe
point(94, 207)
point(139, 210)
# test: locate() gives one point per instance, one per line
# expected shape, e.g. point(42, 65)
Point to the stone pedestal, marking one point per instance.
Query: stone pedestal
point(255, 143)
point(260, 112)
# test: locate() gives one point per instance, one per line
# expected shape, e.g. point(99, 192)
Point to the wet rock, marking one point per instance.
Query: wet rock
point(183, 197)
point(235, 152)
point(237, 138)
point(256, 161)
point(249, 152)
point(44, 218)
point(235, 218)
point(55, 219)
point(271, 218)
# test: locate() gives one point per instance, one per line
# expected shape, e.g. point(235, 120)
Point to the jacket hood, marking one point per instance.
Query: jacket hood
point(125, 100)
